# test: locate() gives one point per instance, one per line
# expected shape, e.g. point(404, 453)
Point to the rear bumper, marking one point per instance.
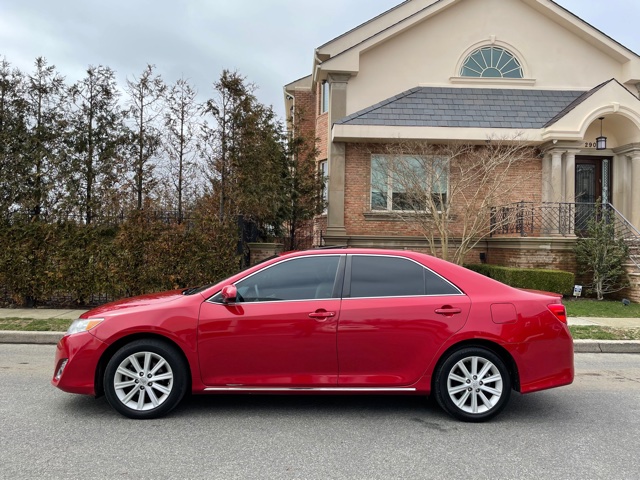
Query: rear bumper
point(82, 352)
point(545, 363)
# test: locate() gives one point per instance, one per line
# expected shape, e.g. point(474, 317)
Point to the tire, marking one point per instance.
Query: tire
point(472, 384)
point(145, 379)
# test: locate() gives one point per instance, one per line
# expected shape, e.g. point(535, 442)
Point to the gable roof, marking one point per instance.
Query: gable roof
point(342, 53)
point(467, 108)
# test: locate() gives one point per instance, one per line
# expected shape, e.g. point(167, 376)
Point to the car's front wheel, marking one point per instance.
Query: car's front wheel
point(472, 384)
point(145, 379)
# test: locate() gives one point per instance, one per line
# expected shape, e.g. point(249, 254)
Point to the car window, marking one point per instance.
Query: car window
point(436, 285)
point(296, 279)
point(379, 276)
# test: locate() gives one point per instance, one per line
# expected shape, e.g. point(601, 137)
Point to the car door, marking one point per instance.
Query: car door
point(395, 316)
point(280, 331)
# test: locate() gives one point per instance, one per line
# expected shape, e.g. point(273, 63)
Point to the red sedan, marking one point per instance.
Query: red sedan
point(343, 321)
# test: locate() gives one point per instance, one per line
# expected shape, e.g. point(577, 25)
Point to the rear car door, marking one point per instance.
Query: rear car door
point(395, 316)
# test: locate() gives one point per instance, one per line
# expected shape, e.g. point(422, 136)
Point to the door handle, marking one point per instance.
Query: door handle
point(322, 315)
point(448, 311)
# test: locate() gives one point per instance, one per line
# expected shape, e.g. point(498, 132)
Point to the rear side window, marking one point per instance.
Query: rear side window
point(379, 276)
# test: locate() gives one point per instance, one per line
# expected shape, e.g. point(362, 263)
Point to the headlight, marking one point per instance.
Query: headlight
point(83, 325)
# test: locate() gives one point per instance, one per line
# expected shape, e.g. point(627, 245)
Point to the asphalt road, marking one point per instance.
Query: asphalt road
point(587, 430)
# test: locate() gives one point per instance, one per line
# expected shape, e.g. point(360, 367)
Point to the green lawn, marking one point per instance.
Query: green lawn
point(592, 332)
point(35, 325)
point(585, 307)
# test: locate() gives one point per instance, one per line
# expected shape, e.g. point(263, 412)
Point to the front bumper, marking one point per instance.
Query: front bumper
point(82, 352)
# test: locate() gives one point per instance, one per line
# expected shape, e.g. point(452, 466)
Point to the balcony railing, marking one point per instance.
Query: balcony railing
point(527, 219)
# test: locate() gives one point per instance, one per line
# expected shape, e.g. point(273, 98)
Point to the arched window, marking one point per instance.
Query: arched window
point(491, 62)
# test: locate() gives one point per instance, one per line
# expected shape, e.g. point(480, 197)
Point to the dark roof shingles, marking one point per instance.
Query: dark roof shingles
point(468, 107)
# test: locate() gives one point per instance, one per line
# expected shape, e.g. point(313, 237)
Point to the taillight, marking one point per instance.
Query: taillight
point(559, 311)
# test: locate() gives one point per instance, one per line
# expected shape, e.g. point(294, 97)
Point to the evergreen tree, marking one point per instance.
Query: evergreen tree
point(303, 184)
point(245, 152)
point(12, 129)
point(601, 254)
point(42, 143)
point(180, 138)
point(95, 136)
point(145, 95)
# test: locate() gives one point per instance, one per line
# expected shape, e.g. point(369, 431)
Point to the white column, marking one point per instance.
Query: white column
point(546, 178)
point(635, 190)
point(570, 177)
point(556, 176)
point(337, 159)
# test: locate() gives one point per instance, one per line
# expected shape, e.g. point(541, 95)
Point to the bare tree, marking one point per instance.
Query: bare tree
point(446, 192)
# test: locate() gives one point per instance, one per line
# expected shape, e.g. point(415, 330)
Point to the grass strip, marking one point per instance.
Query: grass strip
point(585, 307)
point(35, 324)
point(596, 332)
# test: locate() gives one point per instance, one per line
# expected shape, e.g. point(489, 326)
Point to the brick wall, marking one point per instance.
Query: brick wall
point(360, 220)
point(305, 104)
point(544, 258)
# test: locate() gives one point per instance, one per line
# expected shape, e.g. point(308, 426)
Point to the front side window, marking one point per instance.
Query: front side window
point(298, 279)
point(491, 62)
point(408, 183)
point(379, 276)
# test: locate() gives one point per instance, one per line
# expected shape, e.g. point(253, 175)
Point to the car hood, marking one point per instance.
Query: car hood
point(133, 302)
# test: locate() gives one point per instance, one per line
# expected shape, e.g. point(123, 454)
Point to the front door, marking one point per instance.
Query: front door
point(593, 184)
point(280, 331)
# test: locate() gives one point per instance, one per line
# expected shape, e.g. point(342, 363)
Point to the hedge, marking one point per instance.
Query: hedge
point(72, 263)
point(556, 281)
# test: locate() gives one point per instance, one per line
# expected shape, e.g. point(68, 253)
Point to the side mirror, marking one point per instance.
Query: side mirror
point(229, 293)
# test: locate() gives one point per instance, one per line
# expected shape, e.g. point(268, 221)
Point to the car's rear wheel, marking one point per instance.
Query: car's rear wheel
point(145, 379)
point(472, 384)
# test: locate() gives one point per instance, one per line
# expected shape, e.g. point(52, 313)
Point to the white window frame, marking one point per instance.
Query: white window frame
point(390, 180)
point(324, 97)
point(323, 171)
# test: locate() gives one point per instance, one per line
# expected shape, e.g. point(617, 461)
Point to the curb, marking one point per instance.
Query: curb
point(37, 338)
point(606, 346)
point(579, 346)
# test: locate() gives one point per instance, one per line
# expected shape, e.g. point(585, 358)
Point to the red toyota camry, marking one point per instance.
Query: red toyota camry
point(343, 321)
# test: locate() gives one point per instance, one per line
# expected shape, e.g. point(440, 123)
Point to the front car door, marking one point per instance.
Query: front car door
point(280, 331)
point(395, 316)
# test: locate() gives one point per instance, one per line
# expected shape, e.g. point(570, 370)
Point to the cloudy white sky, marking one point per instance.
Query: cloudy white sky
point(271, 42)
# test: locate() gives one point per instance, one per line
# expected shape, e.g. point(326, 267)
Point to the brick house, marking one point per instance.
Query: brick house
point(468, 71)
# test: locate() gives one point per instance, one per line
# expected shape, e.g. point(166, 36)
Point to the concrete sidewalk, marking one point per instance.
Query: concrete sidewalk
point(40, 313)
point(581, 346)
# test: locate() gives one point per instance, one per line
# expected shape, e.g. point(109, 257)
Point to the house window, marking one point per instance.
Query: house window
point(324, 101)
point(408, 183)
point(323, 171)
point(491, 62)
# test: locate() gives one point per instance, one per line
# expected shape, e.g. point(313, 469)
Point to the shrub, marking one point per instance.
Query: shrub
point(556, 281)
point(601, 255)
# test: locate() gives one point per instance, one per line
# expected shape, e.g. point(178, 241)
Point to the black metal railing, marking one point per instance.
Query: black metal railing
point(528, 219)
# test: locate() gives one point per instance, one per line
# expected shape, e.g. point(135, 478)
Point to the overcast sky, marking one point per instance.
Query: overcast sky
point(271, 42)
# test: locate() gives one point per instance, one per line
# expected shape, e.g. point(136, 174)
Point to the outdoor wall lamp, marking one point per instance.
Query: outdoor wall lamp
point(601, 141)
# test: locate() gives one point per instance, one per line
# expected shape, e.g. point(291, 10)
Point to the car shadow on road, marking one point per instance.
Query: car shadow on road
point(522, 409)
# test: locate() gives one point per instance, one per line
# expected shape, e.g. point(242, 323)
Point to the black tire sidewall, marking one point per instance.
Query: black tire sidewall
point(170, 355)
point(442, 393)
